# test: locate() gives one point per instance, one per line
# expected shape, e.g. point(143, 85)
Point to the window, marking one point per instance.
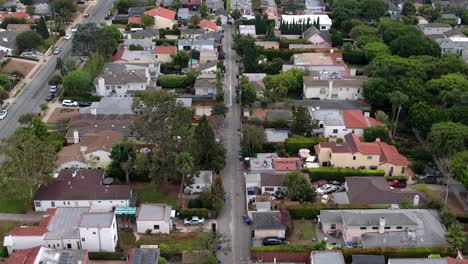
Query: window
point(403, 170)
point(52, 204)
point(269, 189)
point(94, 233)
point(333, 226)
point(198, 187)
point(156, 227)
point(99, 201)
point(369, 157)
point(354, 157)
point(399, 227)
point(64, 203)
point(83, 239)
point(68, 203)
point(37, 204)
point(335, 131)
point(321, 125)
point(387, 227)
point(363, 228)
point(375, 227)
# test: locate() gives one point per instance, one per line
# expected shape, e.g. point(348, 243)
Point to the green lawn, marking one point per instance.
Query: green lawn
point(423, 188)
point(174, 242)
point(152, 195)
point(305, 229)
point(12, 206)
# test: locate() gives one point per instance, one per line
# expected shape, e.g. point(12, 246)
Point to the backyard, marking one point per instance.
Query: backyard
point(302, 233)
point(151, 194)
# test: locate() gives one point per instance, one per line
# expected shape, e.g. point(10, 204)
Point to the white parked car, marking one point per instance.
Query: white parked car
point(67, 36)
point(69, 103)
point(194, 220)
point(325, 199)
point(325, 189)
point(3, 114)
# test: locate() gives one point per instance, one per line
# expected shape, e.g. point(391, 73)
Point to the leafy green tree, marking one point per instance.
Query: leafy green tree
point(373, 9)
point(63, 11)
point(194, 21)
point(458, 114)
point(375, 91)
point(456, 236)
point(219, 109)
point(122, 156)
point(393, 68)
point(429, 12)
point(364, 35)
point(250, 59)
point(298, 188)
point(28, 164)
point(203, 10)
point(12, 20)
point(408, 8)
point(302, 122)
point(447, 217)
point(211, 242)
point(406, 203)
point(180, 59)
point(447, 138)
point(423, 115)
point(236, 14)
point(209, 154)
point(148, 21)
point(414, 45)
point(26, 119)
point(291, 79)
point(381, 116)
point(450, 89)
point(41, 28)
point(248, 91)
point(459, 167)
point(122, 6)
point(39, 128)
point(397, 99)
point(374, 49)
point(374, 132)
point(252, 139)
point(94, 65)
point(89, 39)
point(77, 84)
point(28, 40)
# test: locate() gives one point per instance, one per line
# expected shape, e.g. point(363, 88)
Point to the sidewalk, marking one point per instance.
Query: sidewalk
point(20, 217)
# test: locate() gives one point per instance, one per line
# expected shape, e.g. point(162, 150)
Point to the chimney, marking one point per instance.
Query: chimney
point(76, 137)
point(366, 114)
point(352, 72)
point(331, 50)
point(382, 225)
point(416, 200)
point(5, 39)
point(93, 111)
point(377, 139)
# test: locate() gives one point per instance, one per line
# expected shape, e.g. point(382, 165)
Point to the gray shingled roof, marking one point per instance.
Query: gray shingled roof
point(192, 31)
point(8, 39)
point(146, 33)
point(123, 77)
point(368, 259)
point(327, 257)
point(110, 106)
point(64, 222)
point(154, 212)
point(97, 220)
point(267, 220)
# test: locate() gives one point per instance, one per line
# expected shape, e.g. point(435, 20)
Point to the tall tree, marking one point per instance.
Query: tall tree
point(373, 9)
point(203, 10)
point(39, 128)
point(250, 59)
point(302, 122)
point(122, 157)
point(90, 39)
point(374, 132)
point(185, 165)
point(248, 91)
point(447, 138)
point(63, 11)
point(408, 8)
point(459, 167)
point(76, 84)
point(252, 139)
point(397, 99)
point(209, 154)
point(298, 188)
point(41, 28)
point(456, 236)
point(29, 163)
point(28, 40)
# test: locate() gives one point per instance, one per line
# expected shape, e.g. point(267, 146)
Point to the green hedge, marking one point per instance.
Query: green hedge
point(107, 256)
point(290, 248)
point(172, 81)
point(170, 42)
point(187, 212)
point(294, 144)
point(339, 174)
point(284, 43)
point(304, 212)
point(283, 54)
point(354, 57)
point(398, 252)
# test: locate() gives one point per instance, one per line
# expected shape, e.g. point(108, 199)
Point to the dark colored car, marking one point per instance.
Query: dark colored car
point(272, 241)
point(50, 97)
point(84, 104)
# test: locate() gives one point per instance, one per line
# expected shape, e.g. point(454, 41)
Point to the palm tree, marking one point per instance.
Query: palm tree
point(397, 99)
point(185, 165)
point(455, 235)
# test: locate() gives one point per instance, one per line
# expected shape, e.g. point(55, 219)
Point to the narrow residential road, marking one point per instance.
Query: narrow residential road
point(230, 221)
point(36, 90)
point(20, 217)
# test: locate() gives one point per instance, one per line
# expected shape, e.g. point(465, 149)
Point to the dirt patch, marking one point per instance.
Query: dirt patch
point(19, 65)
point(62, 113)
point(259, 113)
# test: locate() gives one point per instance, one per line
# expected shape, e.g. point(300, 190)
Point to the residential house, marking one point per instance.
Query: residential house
point(268, 44)
point(123, 82)
point(145, 44)
point(154, 217)
point(110, 106)
point(209, 25)
point(49, 256)
point(314, 6)
point(338, 123)
point(67, 190)
point(385, 227)
point(286, 164)
point(191, 33)
point(209, 67)
point(271, 183)
point(137, 11)
point(184, 14)
point(320, 62)
point(8, 41)
point(332, 86)
point(267, 224)
point(362, 155)
point(67, 228)
point(326, 257)
point(320, 40)
point(276, 135)
point(244, 7)
point(163, 53)
point(457, 44)
point(268, 8)
point(263, 163)
point(394, 8)
point(88, 123)
point(200, 180)
point(18, 28)
point(374, 190)
point(213, 6)
point(205, 87)
point(368, 259)
point(192, 5)
point(323, 19)
point(148, 33)
point(202, 45)
point(41, 8)
point(163, 17)
point(435, 28)
point(143, 255)
point(247, 30)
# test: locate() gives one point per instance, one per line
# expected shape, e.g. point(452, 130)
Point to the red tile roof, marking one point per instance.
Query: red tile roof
point(368, 148)
point(39, 230)
point(391, 155)
point(456, 261)
point(208, 24)
point(162, 12)
point(14, 14)
point(134, 20)
point(286, 164)
point(26, 256)
point(356, 119)
point(165, 49)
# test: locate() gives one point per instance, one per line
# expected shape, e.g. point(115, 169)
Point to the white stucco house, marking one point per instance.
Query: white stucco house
point(154, 217)
point(332, 86)
point(201, 180)
point(267, 224)
point(122, 83)
point(247, 30)
point(67, 228)
point(163, 17)
point(82, 188)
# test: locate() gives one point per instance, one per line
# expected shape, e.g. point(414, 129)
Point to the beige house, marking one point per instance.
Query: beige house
point(362, 155)
point(163, 17)
point(163, 53)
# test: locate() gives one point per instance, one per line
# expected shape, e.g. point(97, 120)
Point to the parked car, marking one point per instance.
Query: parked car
point(69, 103)
point(57, 51)
point(332, 246)
point(3, 114)
point(53, 88)
point(74, 28)
point(325, 189)
point(325, 199)
point(319, 183)
point(85, 15)
point(83, 104)
point(50, 97)
point(427, 176)
point(194, 220)
point(271, 241)
point(396, 184)
point(67, 36)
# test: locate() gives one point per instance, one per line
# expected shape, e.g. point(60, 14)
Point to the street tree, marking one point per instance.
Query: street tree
point(456, 236)
point(459, 167)
point(302, 122)
point(252, 139)
point(236, 14)
point(63, 11)
point(41, 28)
point(28, 164)
point(298, 188)
point(447, 138)
point(248, 92)
point(397, 99)
point(76, 84)
point(219, 109)
point(89, 39)
point(122, 157)
point(28, 39)
point(209, 153)
point(39, 128)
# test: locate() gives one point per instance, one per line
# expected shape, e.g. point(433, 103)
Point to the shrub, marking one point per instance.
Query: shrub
point(398, 252)
point(290, 248)
point(354, 57)
point(135, 47)
point(4, 252)
point(282, 54)
point(195, 203)
point(284, 43)
point(187, 212)
point(418, 166)
point(339, 174)
point(172, 81)
point(294, 144)
point(309, 212)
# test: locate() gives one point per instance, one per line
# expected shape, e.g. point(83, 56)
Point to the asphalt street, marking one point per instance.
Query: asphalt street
point(34, 93)
point(230, 222)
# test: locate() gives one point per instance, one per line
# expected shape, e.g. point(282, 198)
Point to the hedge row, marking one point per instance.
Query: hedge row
point(172, 81)
point(283, 54)
point(290, 248)
point(311, 211)
point(187, 212)
point(398, 252)
point(160, 42)
point(339, 174)
point(284, 43)
point(294, 144)
point(106, 255)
